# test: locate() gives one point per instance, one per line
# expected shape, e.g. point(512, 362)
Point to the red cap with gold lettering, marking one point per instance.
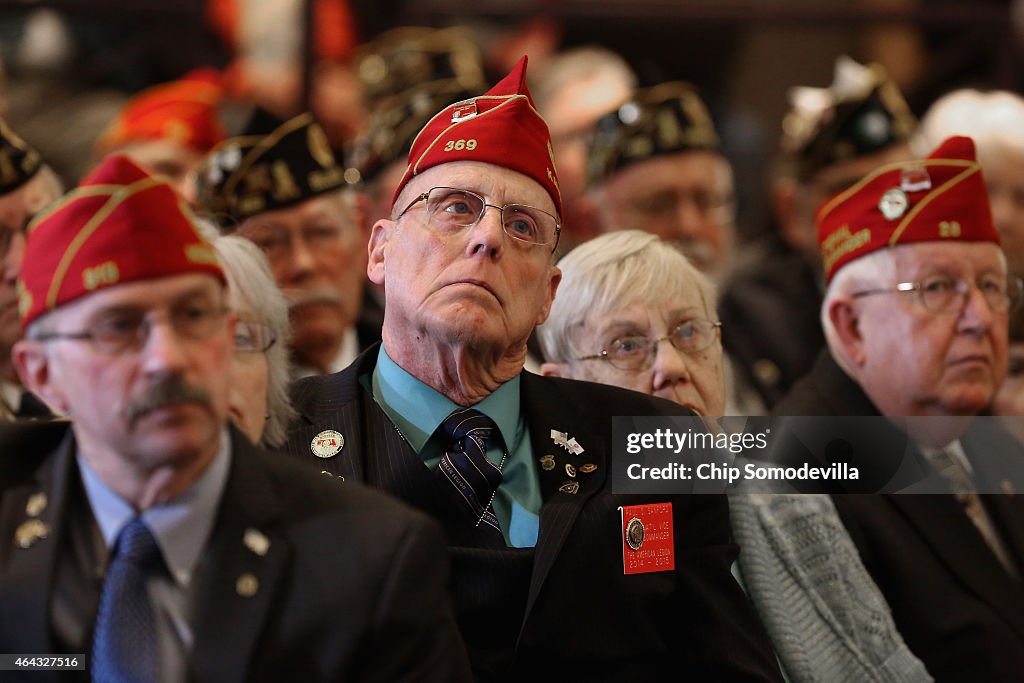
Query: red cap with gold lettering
point(120, 225)
point(501, 127)
point(940, 198)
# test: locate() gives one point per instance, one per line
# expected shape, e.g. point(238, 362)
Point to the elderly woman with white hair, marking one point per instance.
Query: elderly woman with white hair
point(260, 369)
point(621, 296)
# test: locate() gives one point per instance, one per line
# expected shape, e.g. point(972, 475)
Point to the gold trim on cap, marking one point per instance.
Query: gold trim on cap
point(927, 199)
point(265, 143)
point(831, 204)
point(116, 199)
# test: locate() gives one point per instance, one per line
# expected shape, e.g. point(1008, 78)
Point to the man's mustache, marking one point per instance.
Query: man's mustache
point(297, 298)
point(169, 391)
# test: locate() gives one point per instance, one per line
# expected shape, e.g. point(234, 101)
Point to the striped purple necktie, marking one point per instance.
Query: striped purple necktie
point(465, 465)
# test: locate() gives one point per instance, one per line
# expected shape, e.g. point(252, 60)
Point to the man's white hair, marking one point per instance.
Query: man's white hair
point(995, 120)
point(874, 270)
point(611, 272)
point(576, 65)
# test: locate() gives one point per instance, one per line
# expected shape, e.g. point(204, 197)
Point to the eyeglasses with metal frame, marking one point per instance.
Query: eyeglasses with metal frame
point(118, 331)
point(450, 209)
point(636, 353)
point(948, 295)
point(253, 337)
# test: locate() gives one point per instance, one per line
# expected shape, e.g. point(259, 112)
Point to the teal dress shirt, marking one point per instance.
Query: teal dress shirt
point(418, 411)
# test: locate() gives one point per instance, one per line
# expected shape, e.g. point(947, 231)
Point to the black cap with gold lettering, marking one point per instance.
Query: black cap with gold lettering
point(18, 161)
point(665, 119)
point(247, 175)
point(862, 112)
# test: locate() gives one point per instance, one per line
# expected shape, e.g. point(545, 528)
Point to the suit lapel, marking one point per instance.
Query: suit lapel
point(333, 404)
point(567, 486)
point(246, 555)
point(28, 572)
point(942, 523)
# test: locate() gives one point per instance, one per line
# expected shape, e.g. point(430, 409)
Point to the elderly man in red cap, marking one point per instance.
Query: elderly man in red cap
point(915, 317)
point(516, 466)
point(147, 532)
point(169, 128)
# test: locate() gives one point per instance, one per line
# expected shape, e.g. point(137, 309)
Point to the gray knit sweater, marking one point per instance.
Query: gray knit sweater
point(826, 617)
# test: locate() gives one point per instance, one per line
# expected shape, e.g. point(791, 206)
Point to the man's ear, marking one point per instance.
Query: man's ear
point(33, 364)
point(845, 318)
point(554, 370)
point(376, 249)
point(555, 278)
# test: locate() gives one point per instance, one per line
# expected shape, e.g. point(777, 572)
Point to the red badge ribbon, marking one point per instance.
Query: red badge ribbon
point(648, 539)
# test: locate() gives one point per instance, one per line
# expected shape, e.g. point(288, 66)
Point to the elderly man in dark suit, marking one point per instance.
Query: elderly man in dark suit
point(150, 535)
point(915, 317)
point(516, 466)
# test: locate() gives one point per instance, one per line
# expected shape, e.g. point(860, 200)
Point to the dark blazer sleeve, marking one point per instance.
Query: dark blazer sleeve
point(413, 636)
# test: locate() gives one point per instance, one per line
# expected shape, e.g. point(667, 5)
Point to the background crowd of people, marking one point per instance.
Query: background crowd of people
point(323, 255)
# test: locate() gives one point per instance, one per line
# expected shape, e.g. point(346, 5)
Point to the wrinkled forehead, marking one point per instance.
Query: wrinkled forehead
point(920, 258)
point(497, 184)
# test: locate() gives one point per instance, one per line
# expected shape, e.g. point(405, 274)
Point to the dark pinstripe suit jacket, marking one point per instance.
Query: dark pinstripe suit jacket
point(583, 619)
point(959, 611)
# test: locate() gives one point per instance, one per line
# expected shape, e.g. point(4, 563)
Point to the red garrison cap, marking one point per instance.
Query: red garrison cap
point(500, 127)
point(119, 225)
point(183, 111)
point(940, 198)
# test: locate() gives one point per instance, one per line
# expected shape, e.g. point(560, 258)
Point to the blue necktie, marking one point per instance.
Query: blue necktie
point(124, 642)
point(465, 465)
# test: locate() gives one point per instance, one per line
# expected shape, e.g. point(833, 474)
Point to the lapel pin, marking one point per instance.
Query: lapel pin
point(327, 444)
point(893, 203)
point(570, 470)
point(547, 463)
point(570, 487)
point(35, 505)
point(635, 534)
point(247, 585)
point(464, 111)
point(570, 444)
point(588, 468)
point(30, 532)
point(256, 541)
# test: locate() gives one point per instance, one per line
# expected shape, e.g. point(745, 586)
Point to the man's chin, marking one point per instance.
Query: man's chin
point(969, 399)
point(175, 440)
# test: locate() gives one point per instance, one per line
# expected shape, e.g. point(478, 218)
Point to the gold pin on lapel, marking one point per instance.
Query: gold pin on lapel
point(36, 504)
point(588, 468)
point(256, 541)
point(327, 444)
point(570, 470)
point(570, 487)
point(547, 463)
point(247, 585)
point(30, 533)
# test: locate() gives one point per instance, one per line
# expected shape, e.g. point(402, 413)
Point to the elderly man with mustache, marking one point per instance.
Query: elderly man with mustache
point(150, 534)
point(286, 192)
